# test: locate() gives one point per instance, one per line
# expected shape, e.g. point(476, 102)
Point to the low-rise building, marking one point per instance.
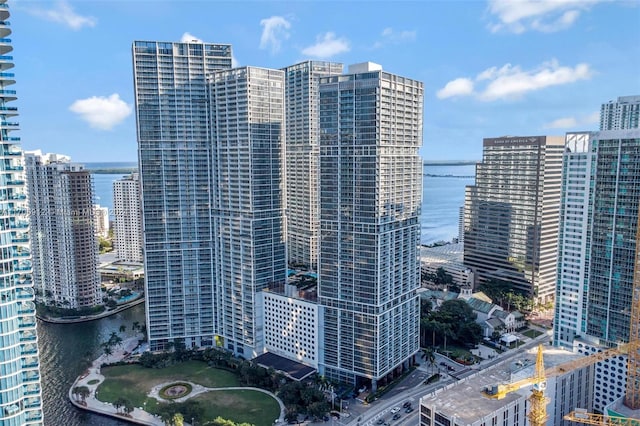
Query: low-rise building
point(448, 257)
point(465, 404)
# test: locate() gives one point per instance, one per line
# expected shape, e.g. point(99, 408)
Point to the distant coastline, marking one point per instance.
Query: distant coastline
point(116, 171)
point(112, 168)
point(450, 162)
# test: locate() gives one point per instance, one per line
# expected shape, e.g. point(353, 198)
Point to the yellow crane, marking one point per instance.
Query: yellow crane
point(538, 402)
point(580, 415)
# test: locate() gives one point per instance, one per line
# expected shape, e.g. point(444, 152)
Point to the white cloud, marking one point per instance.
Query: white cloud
point(404, 35)
point(326, 46)
point(102, 113)
point(457, 87)
point(390, 36)
point(573, 122)
point(518, 16)
point(63, 13)
point(274, 31)
point(187, 37)
point(511, 82)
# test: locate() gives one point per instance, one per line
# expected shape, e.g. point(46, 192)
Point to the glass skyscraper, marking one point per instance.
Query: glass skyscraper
point(247, 187)
point(512, 211)
point(370, 199)
point(175, 159)
point(302, 118)
point(20, 391)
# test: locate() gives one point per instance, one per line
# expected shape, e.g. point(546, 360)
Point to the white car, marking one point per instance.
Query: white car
point(395, 410)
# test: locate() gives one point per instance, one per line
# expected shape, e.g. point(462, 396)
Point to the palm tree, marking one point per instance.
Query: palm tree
point(429, 356)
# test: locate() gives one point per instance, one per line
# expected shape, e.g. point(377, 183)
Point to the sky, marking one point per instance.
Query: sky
point(490, 68)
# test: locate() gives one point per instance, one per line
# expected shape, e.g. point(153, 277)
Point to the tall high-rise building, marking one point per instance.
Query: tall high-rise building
point(512, 211)
point(370, 199)
point(598, 248)
point(247, 208)
point(301, 136)
point(621, 114)
point(574, 234)
point(128, 218)
point(176, 173)
point(101, 220)
point(64, 244)
point(20, 391)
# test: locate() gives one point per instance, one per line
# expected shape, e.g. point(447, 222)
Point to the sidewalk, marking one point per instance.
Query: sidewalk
point(92, 375)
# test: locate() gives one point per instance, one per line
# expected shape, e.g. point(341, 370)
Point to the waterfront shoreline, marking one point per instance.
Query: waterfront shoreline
point(87, 318)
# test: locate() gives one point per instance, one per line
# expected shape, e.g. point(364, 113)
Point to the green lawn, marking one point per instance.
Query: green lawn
point(134, 382)
point(241, 406)
point(531, 333)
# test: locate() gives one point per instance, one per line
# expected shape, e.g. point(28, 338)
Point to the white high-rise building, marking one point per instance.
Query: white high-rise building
point(598, 249)
point(20, 389)
point(621, 114)
point(101, 219)
point(64, 243)
point(128, 219)
point(302, 124)
point(175, 159)
point(370, 200)
point(247, 187)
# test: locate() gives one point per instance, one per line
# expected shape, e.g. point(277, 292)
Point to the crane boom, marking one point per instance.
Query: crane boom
point(582, 416)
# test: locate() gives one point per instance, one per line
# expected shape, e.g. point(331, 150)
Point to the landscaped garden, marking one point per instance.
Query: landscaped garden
point(133, 382)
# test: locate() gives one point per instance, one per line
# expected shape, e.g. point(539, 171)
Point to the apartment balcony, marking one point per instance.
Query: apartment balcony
point(19, 225)
point(27, 308)
point(34, 417)
point(8, 153)
point(32, 390)
point(26, 324)
point(15, 183)
point(6, 78)
point(25, 294)
point(30, 377)
point(9, 125)
point(8, 111)
point(28, 336)
point(29, 349)
point(21, 238)
point(5, 45)
point(30, 404)
point(30, 363)
point(4, 28)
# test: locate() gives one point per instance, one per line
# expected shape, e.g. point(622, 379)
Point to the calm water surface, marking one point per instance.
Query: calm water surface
point(66, 350)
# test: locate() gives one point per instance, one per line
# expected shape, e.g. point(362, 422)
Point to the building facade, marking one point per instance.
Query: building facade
point(247, 187)
point(175, 158)
point(621, 114)
point(20, 389)
point(574, 234)
point(463, 404)
point(370, 198)
point(128, 241)
point(301, 135)
point(290, 327)
point(512, 213)
point(101, 220)
point(64, 244)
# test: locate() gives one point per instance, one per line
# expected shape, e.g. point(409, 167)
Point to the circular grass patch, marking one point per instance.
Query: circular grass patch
point(175, 390)
point(93, 382)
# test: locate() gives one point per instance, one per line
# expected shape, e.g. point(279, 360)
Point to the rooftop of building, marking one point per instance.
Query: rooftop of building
point(293, 369)
point(617, 408)
point(465, 400)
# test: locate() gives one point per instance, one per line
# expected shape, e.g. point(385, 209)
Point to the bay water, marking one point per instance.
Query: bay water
point(66, 350)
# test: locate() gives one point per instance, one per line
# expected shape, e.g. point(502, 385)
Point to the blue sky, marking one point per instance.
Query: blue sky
point(490, 68)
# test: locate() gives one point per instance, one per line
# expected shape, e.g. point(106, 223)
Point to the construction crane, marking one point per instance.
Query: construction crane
point(580, 415)
point(538, 402)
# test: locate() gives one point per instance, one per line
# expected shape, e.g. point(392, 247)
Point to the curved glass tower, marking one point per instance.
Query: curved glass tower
point(20, 393)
